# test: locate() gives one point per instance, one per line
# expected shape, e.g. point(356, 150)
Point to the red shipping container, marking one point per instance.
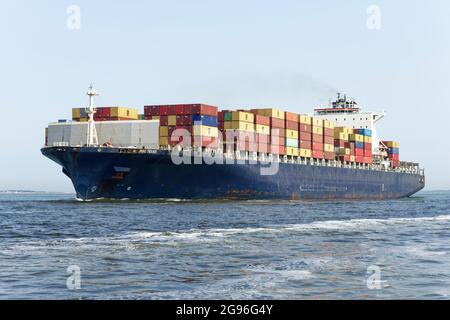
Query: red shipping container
point(290, 116)
point(263, 148)
point(394, 156)
point(147, 117)
point(359, 152)
point(367, 146)
point(340, 144)
point(368, 153)
point(317, 146)
point(281, 150)
point(262, 138)
point(204, 109)
point(220, 126)
point(220, 116)
point(179, 109)
point(305, 128)
point(317, 138)
point(317, 154)
point(307, 136)
point(262, 120)
point(164, 110)
point(276, 123)
point(305, 144)
point(277, 141)
point(395, 163)
point(329, 155)
point(328, 140)
point(277, 132)
point(163, 120)
point(368, 160)
point(291, 125)
point(359, 159)
point(172, 110)
point(328, 132)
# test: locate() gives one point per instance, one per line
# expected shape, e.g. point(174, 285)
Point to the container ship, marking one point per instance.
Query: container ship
point(196, 151)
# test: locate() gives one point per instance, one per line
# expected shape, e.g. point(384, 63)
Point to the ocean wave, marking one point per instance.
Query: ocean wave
point(217, 234)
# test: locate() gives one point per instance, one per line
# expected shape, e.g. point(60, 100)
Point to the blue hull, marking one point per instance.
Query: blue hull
point(115, 175)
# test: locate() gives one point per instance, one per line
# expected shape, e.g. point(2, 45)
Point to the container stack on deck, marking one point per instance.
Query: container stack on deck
point(328, 140)
point(305, 136)
point(393, 152)
point(367, 137)
point(277, 129)
point(291, 133)
point(317, 138)
point(342, 144)
point(239, 131)
point(199, 120)
point(268, 130)
point(106, 114)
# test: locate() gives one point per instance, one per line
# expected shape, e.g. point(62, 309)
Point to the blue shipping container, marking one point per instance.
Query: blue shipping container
point(364, 132)
point(393, 151)
point(359, 145)
point(209, 121)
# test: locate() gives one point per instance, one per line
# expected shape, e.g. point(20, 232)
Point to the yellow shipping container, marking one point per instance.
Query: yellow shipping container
point(291, 134)
point(343, 130)
point(328, 147)
point(305, 119)
point(341, 136)
point(242, 116)
point(83, 119)
point(328, 124)
point(204, 131)
point(356, 137)
point(367, 139)
point(172, 120)
point(123, 112)
point(239, 125)
point(317, 122)
point(352, 158)
point(317, 130)
point(163, 131)
point(260, 128)
point(305, 153)
point(76, 113)
point(156, 118)
point(163, 141)
point(290, 151)
point(392, 144)
point(271, 112)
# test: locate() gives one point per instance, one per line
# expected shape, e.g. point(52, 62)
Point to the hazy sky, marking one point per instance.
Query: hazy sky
point(288, 54)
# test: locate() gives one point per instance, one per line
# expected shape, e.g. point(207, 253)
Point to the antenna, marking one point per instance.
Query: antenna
point(92, 139)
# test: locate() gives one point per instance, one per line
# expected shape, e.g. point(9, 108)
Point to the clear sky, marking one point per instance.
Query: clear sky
point(255, 53)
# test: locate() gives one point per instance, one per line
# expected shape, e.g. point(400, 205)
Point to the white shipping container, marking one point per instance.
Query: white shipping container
point(135, 133)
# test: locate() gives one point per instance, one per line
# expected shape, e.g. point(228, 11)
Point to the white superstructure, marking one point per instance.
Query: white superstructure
point(345, 112)
point(133, 133)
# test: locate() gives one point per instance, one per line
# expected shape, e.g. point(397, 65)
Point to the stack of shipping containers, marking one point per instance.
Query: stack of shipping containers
point(305, 136)
point(106, 114)
point(342, 144)
point(277, 129)
point(268, 130)
point(317, 138)
point(291, 133)
point(328, 140)
point(239, 131)
point(199, 120)
point(393, 152)
point(367, 137)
